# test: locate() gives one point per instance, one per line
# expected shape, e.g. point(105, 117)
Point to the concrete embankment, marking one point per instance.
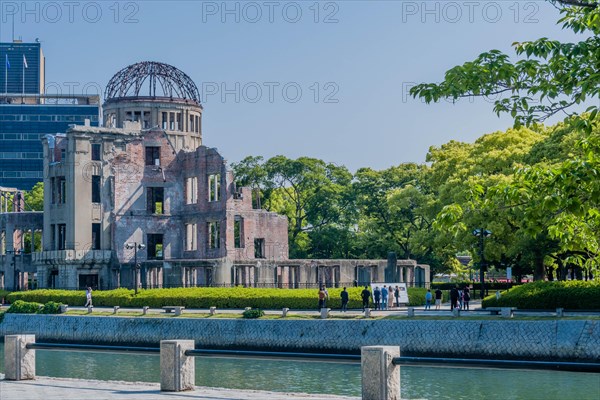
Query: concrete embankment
point(552, 339)
point(61, 388)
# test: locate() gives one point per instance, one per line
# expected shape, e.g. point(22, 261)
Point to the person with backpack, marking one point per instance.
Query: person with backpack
point(323, 295)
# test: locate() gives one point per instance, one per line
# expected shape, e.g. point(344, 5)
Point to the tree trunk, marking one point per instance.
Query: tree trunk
point(538, 270)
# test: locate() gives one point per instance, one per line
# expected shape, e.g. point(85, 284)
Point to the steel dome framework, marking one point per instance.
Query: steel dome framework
point(152, 79)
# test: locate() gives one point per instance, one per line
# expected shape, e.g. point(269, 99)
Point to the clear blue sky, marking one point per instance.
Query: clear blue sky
point(362, 54)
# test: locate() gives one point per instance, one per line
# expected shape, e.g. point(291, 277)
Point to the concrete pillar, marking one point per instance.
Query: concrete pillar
point(411, 312)
point(177, 371)
point(560, 312)
point(367, 313)
point(380, 377)
point(456, 312)
point(145, 310)
point(19, 362)
point(325, 313)
point(284, 312)
point(213, 310)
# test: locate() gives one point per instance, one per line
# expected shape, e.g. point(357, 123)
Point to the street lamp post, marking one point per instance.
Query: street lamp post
point(135, 246)
point(14, 253)
point(481, 233)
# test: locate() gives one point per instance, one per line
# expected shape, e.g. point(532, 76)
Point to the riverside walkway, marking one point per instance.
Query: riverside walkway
point(61, 388)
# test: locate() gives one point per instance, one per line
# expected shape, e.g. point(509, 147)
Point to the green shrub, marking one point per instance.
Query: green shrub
point(23, 307)
point(253, 313)
point(4, 294)
point(582, 295)
point(50, 307)
point(235, 297)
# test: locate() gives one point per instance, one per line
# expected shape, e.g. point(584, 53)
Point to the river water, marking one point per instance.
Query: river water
point(321, 377)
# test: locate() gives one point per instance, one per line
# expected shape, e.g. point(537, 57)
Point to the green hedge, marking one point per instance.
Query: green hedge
point(23, 307)
point(572, 295)
point(31, 307)
point(236, 297)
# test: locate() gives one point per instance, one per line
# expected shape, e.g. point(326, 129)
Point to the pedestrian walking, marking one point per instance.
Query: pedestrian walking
point(344, 296)
point(384, 298)
point(397, 296)
point(453, 297)
point(88, 297)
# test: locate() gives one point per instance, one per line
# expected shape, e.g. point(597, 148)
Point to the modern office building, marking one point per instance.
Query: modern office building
point(22, 68)
point(27, 114)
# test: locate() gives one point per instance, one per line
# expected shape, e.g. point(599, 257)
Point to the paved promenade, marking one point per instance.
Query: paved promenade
point(62, 389)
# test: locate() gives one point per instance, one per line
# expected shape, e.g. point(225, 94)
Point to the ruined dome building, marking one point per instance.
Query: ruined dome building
point(141, 201)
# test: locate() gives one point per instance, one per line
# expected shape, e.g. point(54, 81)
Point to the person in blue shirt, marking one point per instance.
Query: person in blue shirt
point(384, 298)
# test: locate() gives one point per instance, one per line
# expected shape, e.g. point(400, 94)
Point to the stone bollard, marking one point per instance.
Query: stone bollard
point(177, 371)
point(247, 308)
point(560, 312)
point(116, 309)
point(506, 312)
point(19, 362)
point(64, 308)
point(325, 313)
point(411, 312)
point(90, 309)
point(380, 377)
point(456, 312)
point(145, 310)
point(213, 310)
point(284, 312)
point(367, 313)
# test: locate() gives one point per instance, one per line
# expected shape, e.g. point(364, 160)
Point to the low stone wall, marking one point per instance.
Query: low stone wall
point(576, 340)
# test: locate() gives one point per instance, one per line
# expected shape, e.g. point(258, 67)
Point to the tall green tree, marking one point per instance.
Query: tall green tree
point(547, 78)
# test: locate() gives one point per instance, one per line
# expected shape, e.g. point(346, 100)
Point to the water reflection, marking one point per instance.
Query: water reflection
point(318, 377)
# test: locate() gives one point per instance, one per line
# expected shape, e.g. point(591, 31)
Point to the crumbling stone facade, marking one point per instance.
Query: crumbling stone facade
point(140, 202)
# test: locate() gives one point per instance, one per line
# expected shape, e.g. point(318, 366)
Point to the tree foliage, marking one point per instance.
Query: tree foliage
point(548, 77)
